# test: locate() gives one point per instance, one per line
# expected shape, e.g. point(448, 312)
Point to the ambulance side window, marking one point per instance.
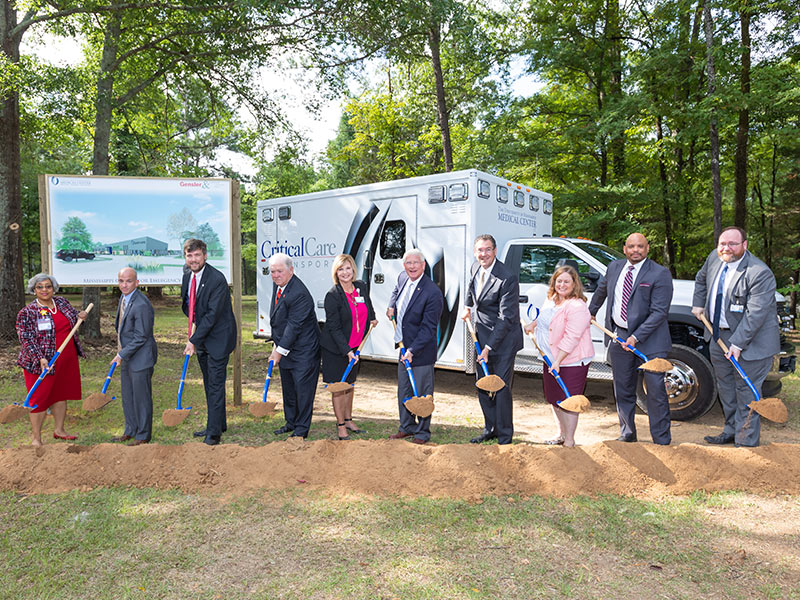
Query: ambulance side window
point(393, 239)
point(539, 262)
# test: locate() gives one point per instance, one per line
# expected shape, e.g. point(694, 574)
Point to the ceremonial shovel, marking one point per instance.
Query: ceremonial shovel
point(175, 416)
point(578, 403)
point(343, 386)
point(769, 408)
point(657, 365)
point(100, 399)
point(421, 406)
point(15, 411)
point(264, 408)
point(487, 383)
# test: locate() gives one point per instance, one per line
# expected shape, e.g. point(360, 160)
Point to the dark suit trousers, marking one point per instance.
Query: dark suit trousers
point(498, 408)
point(215, 372)
point(625, 368)
point(299, 386)
point(137, 402)
point(423, 378)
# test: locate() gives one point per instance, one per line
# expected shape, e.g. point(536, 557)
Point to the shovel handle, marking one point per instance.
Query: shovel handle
point(549, 364)
point(734, 362)
point(108, 378)
point(408, 370)
point(183, 381)
point(268, 379)
point(614, 336)
point(356, 353)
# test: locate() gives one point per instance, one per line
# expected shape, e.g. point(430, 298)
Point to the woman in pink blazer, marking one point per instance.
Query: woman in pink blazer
point(563, 333)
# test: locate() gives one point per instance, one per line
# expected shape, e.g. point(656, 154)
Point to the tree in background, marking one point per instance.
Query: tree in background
point(75, 236)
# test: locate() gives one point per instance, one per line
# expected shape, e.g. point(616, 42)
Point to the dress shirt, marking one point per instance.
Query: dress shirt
point(732, 266)
point(617, 312)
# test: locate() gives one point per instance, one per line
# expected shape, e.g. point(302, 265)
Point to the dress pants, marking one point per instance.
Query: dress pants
point(410, 423)
point(299, 386)
point(215, 373)
point(625, 369)
point(497, 408)
point(735, 395)
point(137, 402)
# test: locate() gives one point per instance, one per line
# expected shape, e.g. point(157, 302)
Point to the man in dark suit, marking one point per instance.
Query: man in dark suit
point(295, 333)
point(639, 293)
point(207, 303)
point(737, 292)
point(493, 292)
point(417, 304)
point(136, 356)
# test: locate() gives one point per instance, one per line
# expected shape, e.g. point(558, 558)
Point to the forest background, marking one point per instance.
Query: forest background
point(673, 117)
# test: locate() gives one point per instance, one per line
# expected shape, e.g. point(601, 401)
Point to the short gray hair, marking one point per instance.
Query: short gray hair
point(38, 278)
point(414, 252)
point(284, 258)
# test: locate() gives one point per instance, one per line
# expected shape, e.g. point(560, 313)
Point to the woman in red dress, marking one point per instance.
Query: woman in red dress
point(42, 327)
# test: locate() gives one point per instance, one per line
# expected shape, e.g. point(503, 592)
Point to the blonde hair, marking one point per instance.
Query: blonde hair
point(340, 261)
point(577, 290)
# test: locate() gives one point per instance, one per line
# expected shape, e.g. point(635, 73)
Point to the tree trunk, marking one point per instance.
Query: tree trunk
point(713, 132)
point(669, 244)
point(434, 39)
point(11, 288)
point(742, 133)
point(613, 35)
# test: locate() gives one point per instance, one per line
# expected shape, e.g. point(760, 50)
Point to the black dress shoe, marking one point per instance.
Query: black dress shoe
point(626, 438)
point(484, 437)
point(719, 439)
point(201, 433)
point(212, 440)
point(282, 430)
point(297, 435)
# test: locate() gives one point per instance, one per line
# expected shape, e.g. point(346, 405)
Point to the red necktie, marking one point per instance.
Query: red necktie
point(278, 296)
point(627, 288)
point(192, 299)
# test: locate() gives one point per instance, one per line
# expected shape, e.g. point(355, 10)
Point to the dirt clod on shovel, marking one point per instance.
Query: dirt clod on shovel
point(491, 383)
point(578, 403)
point(657, 365)
point(13, 412)
point(771, 408)
point(262, 409)
point(172, 416)
point(96, 401)
point(338, 386)
point(422, 406)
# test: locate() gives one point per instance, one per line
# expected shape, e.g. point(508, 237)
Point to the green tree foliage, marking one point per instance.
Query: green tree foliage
point(75, 236)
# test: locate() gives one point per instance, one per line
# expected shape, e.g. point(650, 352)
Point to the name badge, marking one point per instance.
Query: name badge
point(360, 300)
point(737, 308)
point(44, 324)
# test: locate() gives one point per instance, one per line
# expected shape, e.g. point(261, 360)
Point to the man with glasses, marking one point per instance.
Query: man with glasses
point(736, 292)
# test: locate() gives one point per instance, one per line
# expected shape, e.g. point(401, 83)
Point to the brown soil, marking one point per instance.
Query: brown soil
point(383, 467)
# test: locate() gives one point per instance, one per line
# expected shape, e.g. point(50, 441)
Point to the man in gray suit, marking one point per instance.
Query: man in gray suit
point(736, 292)
point(493, 293)
point(639, 293)
point(136, 356)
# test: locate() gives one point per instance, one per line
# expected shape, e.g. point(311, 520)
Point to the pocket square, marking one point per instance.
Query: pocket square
point(644, 285)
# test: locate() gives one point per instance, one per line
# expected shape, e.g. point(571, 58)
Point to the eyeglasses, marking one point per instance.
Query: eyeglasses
point(44, 286)
point(729, 244)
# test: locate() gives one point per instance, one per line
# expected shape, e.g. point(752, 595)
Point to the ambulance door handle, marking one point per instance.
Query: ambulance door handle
point(378, 278)
point(523, 299)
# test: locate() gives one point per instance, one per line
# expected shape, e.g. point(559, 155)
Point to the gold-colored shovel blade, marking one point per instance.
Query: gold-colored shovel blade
point(422, 406)
point(490, 383)
point(262, 409)
point(172, 416)
point(578, 403)
point(339, 386)
point(96, 401)
point(771, 408)
point(657, 365)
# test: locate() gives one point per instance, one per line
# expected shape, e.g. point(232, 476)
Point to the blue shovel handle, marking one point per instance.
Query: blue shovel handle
point(483, 364)
point(745, 377)
point(268, 379)
point(39, 380)
point(108, 378)
point(183, 382)
point(410, 374)
point(350, 365)
point(546, 358)
point(638, 353)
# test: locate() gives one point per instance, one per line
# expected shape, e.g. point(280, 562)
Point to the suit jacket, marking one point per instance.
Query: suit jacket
point(139, 350)
point(216, 328)
point(648, 306)
point(339, 318)
point(294, 323)
point(496, 310)
point(421, 318)
point(754, 326)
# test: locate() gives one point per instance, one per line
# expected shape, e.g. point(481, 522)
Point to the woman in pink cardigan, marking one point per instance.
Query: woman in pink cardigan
point(563, 333)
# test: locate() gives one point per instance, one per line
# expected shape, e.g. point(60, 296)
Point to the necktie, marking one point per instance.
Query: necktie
point(278, 296)
point(718, 303)
point(119, 325)
point(401, 309)
point(192, 301)
point(627, 288)
point(481, 283)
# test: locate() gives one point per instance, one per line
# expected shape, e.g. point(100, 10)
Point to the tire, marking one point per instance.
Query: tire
point(90, 256)
point(691, 386)
point(67, 259)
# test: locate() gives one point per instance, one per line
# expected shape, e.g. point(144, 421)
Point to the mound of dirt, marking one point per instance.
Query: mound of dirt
point(398, 468)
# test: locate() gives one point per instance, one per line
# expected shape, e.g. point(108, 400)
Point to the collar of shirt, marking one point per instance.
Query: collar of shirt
point(636, 267)
point(732, 266)
point(198, 276)
point(489, 270)
point(127, 298)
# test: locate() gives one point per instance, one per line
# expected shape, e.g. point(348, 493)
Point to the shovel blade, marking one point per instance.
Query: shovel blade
point(173, 416)
point(96, 401)
point(578, 403)
point(262, 409)
point(422, 406)
point(771, 408)
point(490, 383)
point(657, 365)
point(339, 386)
point(13, 412)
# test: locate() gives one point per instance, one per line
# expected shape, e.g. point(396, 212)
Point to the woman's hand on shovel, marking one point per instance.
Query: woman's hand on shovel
point(189, 349)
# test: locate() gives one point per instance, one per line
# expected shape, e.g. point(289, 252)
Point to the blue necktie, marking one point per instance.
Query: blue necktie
point(718, 303)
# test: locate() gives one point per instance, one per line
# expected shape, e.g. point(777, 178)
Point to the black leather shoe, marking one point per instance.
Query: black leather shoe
point(297, 435)
point(201, 433)
point(282, 430)
point(626, 438)
point(212, 440)
point(484, 437)
point(719, 439)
